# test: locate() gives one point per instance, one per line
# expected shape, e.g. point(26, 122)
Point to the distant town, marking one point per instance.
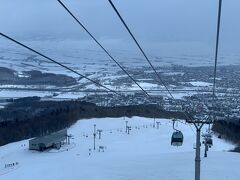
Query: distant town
point(191, 88)
point(184, 81)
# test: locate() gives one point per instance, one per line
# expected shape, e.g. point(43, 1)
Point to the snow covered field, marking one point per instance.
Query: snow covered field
point(89, 60)
point(86, 58)
point(145, 153)
point(200, 83)
point(19, 94)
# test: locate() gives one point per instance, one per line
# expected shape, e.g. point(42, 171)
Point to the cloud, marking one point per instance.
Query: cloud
point(152, 21)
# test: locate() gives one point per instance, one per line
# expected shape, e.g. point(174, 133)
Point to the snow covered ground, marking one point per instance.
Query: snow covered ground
point(200, 83)
point(145, 153)
point(86, 58)
point(19, 94)
point(89, 60)
point(43, 94)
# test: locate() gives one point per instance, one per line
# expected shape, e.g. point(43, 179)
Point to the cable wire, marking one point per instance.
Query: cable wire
point(140, 48)
point(56, 62)
point(144, 54)
point(216, 55)
point(217, 45)
point(104, 49)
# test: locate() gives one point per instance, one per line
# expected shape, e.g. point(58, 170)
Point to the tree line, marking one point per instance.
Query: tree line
point(229, 130)
point(27, 118)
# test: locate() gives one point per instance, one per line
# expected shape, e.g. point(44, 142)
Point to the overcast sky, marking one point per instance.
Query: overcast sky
point(154, 21)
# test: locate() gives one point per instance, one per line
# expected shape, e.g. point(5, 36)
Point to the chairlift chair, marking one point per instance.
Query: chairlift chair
point(209, 142)
point(208, 139)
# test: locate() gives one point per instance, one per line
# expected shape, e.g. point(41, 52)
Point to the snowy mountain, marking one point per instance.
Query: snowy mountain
point(145, 153)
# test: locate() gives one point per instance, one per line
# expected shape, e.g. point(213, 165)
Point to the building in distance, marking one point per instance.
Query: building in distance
point(54, 140)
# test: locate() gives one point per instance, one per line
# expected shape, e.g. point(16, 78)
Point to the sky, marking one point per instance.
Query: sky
point(154, 22)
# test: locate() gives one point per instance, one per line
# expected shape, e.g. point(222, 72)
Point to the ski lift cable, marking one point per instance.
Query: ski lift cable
point(57, 62)
point(216, 56)
point(140, 48)
point(144, 54)
point(101, 46)
point(217, 46)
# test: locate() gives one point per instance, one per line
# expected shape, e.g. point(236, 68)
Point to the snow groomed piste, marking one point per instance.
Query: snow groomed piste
point(144, 153)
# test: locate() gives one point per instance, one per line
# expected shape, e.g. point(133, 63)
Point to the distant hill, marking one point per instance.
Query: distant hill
point(12, 77)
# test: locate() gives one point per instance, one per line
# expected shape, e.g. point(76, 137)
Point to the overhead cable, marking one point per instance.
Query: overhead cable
point(101, 46)
point(217, 45)
point(57, 62)
point(142, 51)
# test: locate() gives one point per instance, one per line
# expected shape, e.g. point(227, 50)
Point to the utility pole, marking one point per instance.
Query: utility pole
point(94, 137)
point(126, 126)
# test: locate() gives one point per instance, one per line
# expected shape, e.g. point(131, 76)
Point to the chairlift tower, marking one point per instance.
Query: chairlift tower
point(198, 123)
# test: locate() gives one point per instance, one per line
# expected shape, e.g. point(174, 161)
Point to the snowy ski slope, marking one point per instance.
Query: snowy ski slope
point(145, 153)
